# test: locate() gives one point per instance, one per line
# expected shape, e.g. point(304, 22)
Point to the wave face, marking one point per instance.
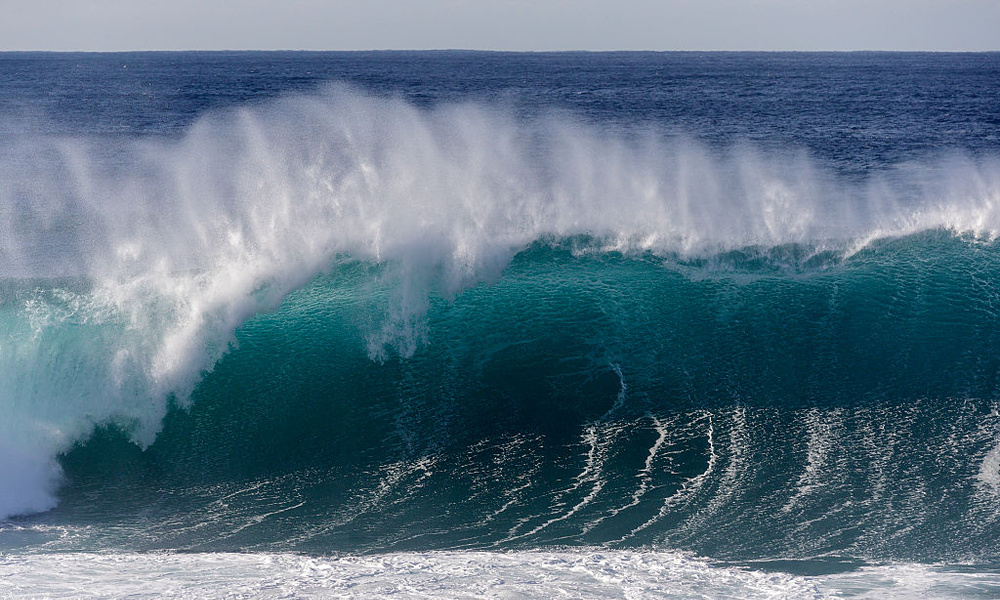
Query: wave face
point(735, 409)
point(345, 321)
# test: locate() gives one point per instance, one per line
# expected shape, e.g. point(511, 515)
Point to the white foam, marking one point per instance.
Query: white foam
point(29, 480)
point(822, 436)
point(989, 469)
point(578, 573)
point(574, 574)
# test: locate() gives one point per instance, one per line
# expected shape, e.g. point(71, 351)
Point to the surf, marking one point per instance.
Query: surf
point(131, 267)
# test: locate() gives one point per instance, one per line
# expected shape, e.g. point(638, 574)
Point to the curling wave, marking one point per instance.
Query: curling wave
point(128, 270)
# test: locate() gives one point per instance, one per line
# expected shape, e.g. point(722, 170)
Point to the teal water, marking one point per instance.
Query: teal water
point(757, 403)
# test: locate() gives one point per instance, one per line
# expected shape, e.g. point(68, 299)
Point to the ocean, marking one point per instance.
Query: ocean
point(525, 325)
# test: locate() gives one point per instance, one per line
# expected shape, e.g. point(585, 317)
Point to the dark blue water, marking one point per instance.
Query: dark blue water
point(861, 111)
point(744, 305)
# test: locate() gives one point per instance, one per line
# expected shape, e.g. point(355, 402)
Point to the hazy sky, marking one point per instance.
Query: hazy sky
point(500, 24)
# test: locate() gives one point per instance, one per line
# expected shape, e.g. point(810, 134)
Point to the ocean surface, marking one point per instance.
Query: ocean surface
point(456, 324)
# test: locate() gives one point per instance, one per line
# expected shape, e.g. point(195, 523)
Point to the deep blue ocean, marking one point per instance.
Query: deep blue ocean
point(440, 324)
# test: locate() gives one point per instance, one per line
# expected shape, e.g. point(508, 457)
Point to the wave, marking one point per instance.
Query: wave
point(129, 267)
point(744, 409)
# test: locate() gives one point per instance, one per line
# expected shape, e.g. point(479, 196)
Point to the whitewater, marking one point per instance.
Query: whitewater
point(334, 325)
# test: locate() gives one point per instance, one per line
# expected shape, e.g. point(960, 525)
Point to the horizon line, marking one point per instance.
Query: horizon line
point(495, 51)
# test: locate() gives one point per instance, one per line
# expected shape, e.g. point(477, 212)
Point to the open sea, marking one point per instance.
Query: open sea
point(499, 325)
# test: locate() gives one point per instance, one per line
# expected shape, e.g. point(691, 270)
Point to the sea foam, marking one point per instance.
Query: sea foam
point(585, 573)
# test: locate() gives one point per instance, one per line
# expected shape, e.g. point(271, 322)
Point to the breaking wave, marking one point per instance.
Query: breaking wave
point(503, 291)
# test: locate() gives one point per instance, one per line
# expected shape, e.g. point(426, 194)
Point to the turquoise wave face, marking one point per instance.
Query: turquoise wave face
point(762, 403)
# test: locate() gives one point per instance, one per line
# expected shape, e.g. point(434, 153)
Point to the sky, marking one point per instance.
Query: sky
point(119, 25)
